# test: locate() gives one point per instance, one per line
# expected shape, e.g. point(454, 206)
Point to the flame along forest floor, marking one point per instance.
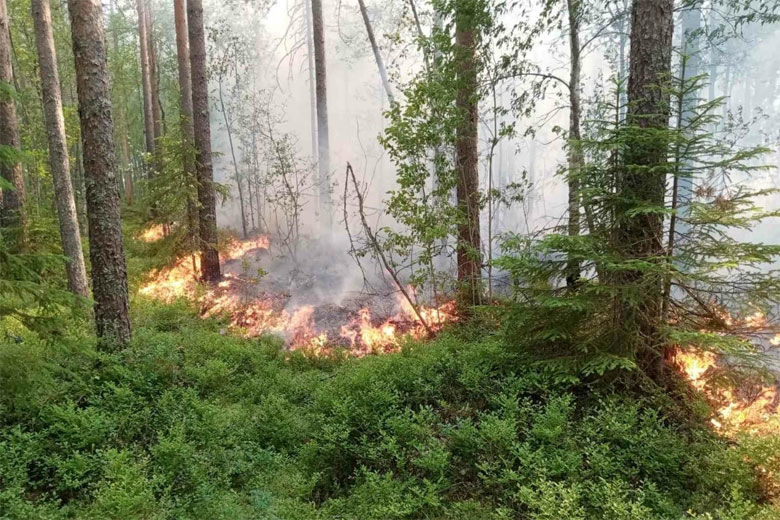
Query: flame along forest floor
point(194, 421)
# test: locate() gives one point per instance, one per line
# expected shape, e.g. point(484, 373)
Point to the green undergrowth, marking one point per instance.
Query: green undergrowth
point(190, 423)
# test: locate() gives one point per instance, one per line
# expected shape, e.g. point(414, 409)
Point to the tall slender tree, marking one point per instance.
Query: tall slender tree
point(12, 202)
point(310, 66)
point(209, 257)
point(146, 77)
point(154, 73)
point(643, 180)
point(58, 149)
point(185, 109)
point(323, 141)
point(576, 158)
point(106, 252)
point(469, 247)
point(121, 120)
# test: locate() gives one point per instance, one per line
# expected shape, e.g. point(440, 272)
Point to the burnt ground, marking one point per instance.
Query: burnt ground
point(324, 277)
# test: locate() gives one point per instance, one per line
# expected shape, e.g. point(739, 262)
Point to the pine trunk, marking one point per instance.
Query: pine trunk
point(185, 109)
point(209, 257)
point(12, 202)
point(109, 273)
point(469, 252)
point(58, 151)
point(323, 144)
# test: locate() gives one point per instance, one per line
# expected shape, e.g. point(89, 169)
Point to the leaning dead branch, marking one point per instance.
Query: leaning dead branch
point(375, 246)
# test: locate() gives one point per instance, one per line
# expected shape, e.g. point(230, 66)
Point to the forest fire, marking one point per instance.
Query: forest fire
point(744, 402)
point(152, 233)
point(255, 312)
point(747, 405)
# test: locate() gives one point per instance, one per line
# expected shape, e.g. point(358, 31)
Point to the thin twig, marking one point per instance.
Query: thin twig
point(378, 251)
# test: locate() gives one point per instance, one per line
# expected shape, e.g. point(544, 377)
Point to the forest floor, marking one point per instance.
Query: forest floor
point(195, 420)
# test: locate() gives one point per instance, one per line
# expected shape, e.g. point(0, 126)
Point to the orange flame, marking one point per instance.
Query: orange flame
point(180, 279)
point(752, 407)
point(152, 233)
point(257, 316)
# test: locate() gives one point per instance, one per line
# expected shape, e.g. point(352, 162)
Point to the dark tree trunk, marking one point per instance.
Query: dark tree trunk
point(469, 252)
point(109, 274)
point(375, 49)
point(575, 157)
point(185, 109)
point(640, 233)
point(323, 144)
point(79, 186)
point(12, 202)
point(146, 77)
point(209, 258)
point(58, 151)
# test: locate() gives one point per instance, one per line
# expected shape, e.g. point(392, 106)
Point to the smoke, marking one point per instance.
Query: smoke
point(746, 75)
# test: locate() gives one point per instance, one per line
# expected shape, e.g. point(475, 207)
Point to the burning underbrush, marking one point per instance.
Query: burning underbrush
point(743, 398)
point(313, 305)
point(740, 401)
point(307, 304)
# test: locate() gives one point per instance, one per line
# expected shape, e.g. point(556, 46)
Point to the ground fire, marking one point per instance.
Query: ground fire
point(744, 403)
point(320, 327)
point(254, 310)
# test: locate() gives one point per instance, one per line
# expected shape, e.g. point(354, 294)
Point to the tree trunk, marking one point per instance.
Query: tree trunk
point(58, 151)
point(209, 258)
point(640, 233)
point(109, 274)
point(185, 110)
point(154, 76)
point(79, 187)
point(12, 202)
point(121, 122)
point(469, 253)
point(622, 42)
point(146, 77)
point(575, 157)
point(312, 88)
point(375, 49)
point(323, 144)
